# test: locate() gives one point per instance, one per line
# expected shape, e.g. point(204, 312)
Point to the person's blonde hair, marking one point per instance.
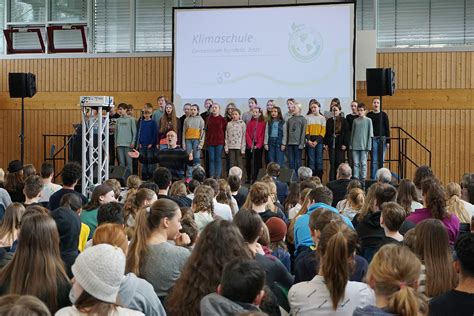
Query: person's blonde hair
point(393, 273)
point(178, 188)
point(290, 235)
point(356, 199)
point(455, 205)
point(369, 202)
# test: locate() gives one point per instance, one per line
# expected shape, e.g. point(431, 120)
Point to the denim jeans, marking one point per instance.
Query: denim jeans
point(274, 152)
point(192, 145)
point(124, 158)
point(215, 160)
point(315, 157)
point(360, 164)
point(375, 155)
point(294, 157)
point(148, 168)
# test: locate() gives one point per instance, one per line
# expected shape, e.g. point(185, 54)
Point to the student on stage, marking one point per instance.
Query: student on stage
point(315, 132)
point(336, 139)
point(361, 142)
point(235, 139)
point(193, 135)
point(274, 136)
point(294, 137)
point(381, 135)
point(254, 137)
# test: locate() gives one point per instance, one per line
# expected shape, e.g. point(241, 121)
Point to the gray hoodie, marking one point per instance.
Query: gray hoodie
point(215, 304)
point(139, 295)
point(371, 310)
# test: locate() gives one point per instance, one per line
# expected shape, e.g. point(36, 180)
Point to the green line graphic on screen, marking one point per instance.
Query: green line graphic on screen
point(305, 44)
point(225, 77)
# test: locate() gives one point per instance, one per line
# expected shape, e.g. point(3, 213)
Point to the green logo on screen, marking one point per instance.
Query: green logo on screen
point(305, 44)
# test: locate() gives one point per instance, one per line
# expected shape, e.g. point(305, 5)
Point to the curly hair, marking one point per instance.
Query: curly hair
point(203, 202)
point(219, 243)
point(435, 198)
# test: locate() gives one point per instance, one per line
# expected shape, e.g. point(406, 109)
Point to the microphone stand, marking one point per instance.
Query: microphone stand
point(137, 139)
point(333, 156)
point(254, 144)
point(381, 139)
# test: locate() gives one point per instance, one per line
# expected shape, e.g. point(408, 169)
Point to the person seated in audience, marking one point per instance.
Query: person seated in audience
point(432, 248)
point(13, 304)
point(465, 182)
point(383, 175)
point(307, 262)
point(460, 300)
point(2, 178)
point(273, 170)
point(220, 209)
point(32, 190)
point(10, 225)
point(339, 186)
point(98, 274)
point(189, 227)
point(198, 174)
point(115, 185)
point(69, 229)
point(258, 200)
point(219, 243)
point(293, 199)
point(234, 183)
point(319, 198)
point(331, 291)
point(237, 171)
point(102, 194)
point(178, 191)
point(352, 204)
point(434, 202)
point(273, 203)
point(36, 267)
point(369, 230)
point(150, 255)
point(277, 231)
point(133, 183)
point(135, 201)
point(407, 196)
point(49, 188)
point(191, 186)
point(72, 173)
point(203, 206)
point(455, 205)
point(174, 158)
point(304, 173)
point(421, 173)
point(134, 293)
point(277, 277)
point(73, 202)
point(15, 181)
point(393, 275)
point(29, 170)
point(391, 219)
point(240, 290)
point(225, 195)
point(162, 177)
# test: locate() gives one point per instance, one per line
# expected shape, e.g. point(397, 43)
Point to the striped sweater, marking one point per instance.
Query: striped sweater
point(315, 126)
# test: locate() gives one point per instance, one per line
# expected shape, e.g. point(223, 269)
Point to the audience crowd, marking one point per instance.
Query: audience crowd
point(183, 241)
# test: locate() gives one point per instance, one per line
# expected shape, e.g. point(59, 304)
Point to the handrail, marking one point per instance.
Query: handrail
point(53, 155)
point(417, 142)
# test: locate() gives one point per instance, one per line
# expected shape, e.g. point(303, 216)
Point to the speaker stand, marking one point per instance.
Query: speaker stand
point(380, 140)
point(22, 131)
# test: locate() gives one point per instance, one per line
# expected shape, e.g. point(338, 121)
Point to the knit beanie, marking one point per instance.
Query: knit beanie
point(276, 228)
point(99, 271)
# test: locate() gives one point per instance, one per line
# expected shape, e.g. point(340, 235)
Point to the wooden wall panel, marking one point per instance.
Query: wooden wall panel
point(434, 100)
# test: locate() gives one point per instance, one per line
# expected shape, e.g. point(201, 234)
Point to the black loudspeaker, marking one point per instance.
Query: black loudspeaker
point(287, 175)
point(22, 85)
point(121, 173)
point(380, 81)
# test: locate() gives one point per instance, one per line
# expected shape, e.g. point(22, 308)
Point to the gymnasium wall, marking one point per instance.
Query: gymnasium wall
point(434, 101)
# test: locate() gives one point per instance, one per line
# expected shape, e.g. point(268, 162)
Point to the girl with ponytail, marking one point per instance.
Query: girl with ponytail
point(151, 256)
point(331, 292)
point(393, 274)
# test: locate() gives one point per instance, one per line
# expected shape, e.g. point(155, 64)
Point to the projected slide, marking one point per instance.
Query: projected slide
point(231, 54)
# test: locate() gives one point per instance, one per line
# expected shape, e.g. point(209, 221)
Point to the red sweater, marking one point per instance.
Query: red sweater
point(215, 134)
point(259, 134)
